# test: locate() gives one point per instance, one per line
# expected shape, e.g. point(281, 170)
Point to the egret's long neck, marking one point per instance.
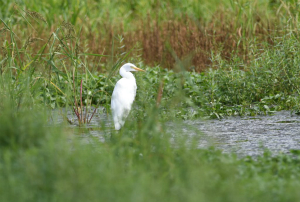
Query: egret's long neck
point(125, 74)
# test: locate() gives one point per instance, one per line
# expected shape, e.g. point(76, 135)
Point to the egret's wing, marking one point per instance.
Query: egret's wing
point(122, 99)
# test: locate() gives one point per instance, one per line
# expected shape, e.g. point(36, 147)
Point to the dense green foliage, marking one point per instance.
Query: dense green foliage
point(114, 12)
point(138, 163)
point(192, 28)
point(269, 83)
point(41, 160)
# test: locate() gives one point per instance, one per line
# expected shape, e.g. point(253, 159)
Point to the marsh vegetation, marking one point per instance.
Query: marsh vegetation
point(210, 61)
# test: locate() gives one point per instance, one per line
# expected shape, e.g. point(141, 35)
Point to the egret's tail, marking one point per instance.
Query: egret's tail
point(119, 119)
point(118, 123)
point(117, 126)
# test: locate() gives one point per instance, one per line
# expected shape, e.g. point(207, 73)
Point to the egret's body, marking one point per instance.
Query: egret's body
point(123, 95)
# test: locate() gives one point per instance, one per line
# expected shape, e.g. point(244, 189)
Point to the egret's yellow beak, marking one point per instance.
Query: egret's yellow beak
point(138, 69)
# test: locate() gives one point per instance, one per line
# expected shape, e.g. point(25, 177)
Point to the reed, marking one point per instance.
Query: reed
point(226, 27)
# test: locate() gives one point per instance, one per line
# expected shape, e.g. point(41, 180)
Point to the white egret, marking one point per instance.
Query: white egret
point(123, 94)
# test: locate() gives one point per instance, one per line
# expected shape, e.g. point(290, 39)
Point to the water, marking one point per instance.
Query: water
point(278, 133)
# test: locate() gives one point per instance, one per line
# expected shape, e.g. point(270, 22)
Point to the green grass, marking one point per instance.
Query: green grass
point(119, 10)
point(269, 83)
point(43, 161)
point(40, 161)
point(198, 28)
point(139, 163)
point(127, 12)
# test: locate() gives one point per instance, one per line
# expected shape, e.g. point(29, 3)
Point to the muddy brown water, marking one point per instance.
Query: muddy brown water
point(245, 136)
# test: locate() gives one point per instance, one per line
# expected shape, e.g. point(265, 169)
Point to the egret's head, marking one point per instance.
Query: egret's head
point(129, 67)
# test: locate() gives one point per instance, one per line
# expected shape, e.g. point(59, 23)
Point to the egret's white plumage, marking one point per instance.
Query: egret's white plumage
point(123, 95)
